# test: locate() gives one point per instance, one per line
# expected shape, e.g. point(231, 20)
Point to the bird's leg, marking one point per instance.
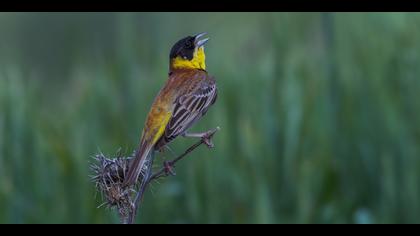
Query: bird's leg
point(168, 166)
point(205, 136)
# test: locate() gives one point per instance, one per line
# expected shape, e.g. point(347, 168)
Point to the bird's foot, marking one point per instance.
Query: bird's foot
point(205, 136)
point(207, 139)
point(169, 170)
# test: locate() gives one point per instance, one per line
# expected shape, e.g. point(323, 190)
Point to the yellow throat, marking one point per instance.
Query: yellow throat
point(197, 62)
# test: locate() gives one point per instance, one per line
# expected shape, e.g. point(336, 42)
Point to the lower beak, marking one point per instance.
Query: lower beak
point(200, 42)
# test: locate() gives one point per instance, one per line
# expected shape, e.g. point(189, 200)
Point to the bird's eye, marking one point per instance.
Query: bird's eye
point(188, 44)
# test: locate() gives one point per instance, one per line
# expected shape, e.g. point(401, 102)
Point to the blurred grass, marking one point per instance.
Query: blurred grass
point(319, 115)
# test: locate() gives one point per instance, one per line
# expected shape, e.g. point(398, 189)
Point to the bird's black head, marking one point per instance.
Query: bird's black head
point(183, 48)
point(188, 53)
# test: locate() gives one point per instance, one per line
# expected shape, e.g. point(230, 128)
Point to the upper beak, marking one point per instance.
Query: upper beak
point(198, 42)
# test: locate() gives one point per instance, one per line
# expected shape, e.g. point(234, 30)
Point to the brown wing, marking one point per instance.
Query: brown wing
point(188, 109)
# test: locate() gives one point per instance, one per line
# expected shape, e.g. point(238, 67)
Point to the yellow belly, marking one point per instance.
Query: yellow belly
point(160, 123)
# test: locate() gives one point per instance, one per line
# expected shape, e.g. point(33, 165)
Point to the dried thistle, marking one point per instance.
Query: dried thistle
point(109, 173)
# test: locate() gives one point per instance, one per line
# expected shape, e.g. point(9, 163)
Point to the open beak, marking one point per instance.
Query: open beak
point(200, 42)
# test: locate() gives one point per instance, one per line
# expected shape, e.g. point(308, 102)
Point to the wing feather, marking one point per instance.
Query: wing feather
point(188, 109)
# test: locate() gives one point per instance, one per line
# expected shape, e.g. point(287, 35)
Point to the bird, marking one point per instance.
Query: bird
point(184, 99)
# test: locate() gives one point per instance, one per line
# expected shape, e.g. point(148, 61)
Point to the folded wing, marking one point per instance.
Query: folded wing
point(188, 109)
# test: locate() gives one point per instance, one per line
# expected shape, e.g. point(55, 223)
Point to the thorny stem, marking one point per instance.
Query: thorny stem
point(163, 172)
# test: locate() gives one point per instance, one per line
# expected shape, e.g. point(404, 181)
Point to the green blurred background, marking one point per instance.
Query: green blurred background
point(319, 115)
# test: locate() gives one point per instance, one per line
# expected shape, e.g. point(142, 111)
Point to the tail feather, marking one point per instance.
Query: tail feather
point(137, 165)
